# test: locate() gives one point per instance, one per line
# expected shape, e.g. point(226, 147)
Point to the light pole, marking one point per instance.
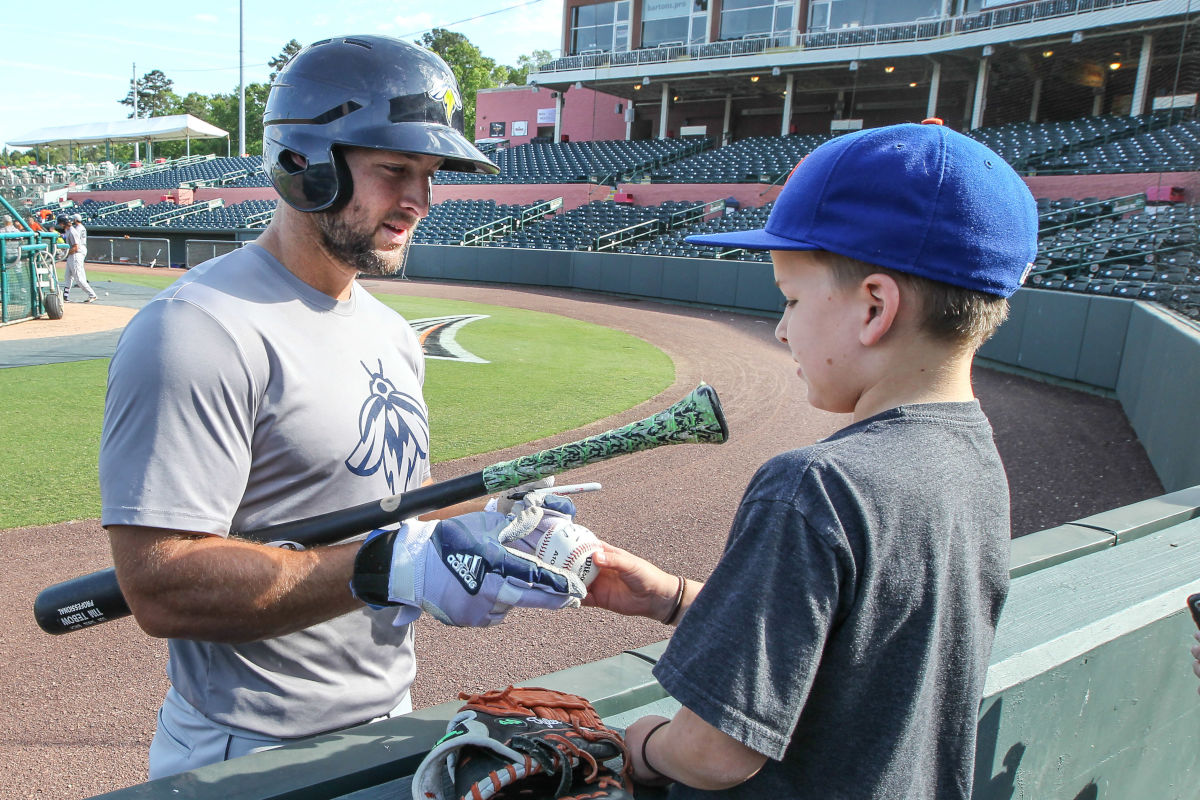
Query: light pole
point(133, 81)
point(241, 86)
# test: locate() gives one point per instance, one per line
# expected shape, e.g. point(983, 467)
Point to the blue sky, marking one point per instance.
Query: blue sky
point(75, 67)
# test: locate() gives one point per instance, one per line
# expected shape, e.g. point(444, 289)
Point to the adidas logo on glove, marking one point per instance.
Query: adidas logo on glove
point(469, 569)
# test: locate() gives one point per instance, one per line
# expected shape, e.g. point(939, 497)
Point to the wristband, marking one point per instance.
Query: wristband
point(646, 741)
point(670, 620)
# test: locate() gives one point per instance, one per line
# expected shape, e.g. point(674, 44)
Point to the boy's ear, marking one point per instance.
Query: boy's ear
point(881, 295)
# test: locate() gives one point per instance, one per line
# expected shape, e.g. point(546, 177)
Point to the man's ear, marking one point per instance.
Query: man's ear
point(881, 295)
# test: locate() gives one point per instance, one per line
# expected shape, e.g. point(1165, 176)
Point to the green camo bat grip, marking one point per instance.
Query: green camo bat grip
point(697, 418)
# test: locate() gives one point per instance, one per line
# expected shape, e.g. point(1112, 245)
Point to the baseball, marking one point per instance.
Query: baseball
point(570, 546)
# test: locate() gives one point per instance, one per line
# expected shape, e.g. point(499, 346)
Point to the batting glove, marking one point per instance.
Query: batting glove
point(458, 571)
point(513, 501)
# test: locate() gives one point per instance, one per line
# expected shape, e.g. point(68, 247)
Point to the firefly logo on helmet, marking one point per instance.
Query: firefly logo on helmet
point(449, 101)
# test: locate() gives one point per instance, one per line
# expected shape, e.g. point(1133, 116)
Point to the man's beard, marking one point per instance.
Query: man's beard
point(357, 248)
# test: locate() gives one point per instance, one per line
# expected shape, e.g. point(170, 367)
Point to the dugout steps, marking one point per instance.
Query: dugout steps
point(1089, 689)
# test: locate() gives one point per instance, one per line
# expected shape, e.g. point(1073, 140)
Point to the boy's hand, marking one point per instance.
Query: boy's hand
point(1195, 655)
point(630, 585)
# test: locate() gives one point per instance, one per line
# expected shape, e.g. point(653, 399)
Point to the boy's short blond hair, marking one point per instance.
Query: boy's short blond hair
point(948, 313)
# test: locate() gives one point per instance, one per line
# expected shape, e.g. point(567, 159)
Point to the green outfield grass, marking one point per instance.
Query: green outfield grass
point(547, 374)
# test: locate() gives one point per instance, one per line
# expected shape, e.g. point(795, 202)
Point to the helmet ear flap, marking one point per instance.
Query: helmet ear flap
point(343, 182)
point(309, 185)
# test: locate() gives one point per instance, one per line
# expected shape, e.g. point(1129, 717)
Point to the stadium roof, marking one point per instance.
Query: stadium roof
point(155, 129)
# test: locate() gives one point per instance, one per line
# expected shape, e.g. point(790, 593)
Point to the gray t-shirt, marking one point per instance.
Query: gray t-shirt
point(846, 630)
point(241, 397)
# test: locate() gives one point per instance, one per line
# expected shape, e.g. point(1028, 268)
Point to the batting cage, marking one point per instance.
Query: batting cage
point(28, 282)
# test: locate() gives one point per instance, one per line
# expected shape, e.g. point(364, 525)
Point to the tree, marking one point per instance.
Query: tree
point(472, 69)
point(155, 96)
point(519, 74)
point(223, 112)
point(280, 61)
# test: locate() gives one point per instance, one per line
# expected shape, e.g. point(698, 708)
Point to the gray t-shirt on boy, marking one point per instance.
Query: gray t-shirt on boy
point(241, 397)
point(846, 630)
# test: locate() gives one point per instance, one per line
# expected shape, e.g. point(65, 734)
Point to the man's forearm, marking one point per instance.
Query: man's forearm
point(226, 590)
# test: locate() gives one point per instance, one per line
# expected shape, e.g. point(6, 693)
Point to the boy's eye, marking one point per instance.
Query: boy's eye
point(789, 303)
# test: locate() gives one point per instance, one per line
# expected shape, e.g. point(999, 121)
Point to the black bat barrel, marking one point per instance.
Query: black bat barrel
point(80, 603)
point(95, 598)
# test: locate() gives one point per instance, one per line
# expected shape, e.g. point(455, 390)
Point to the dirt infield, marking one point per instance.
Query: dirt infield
point(81, 706)
point(79, 318)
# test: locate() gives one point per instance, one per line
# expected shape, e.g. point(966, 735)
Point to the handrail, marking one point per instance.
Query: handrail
point(117, 208)
point(259, 218)
point(641, 230)
point(487, 230)
point(1120, 206)
point(187, 211)
point(1082, 247)
point(540, 209)
point(687, 216)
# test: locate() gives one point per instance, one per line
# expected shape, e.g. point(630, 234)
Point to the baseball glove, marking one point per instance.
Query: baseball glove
point(525, 742)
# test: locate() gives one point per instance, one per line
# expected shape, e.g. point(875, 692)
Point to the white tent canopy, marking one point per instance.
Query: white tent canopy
point(153, 129)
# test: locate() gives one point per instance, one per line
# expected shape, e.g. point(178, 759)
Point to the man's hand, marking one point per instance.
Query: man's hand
point(458, 571)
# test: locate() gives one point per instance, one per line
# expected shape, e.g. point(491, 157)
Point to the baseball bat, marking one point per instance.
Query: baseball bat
point(96, 598)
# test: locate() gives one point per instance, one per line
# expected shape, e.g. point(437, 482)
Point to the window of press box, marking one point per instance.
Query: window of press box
point(600, 26)
point(837, 14)
point(678, 22)
point(751, 18)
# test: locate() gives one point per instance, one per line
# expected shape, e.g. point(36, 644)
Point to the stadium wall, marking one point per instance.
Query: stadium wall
point(1116, 185)
point(1088, 691)
point(652, 194)
point(1144, 355)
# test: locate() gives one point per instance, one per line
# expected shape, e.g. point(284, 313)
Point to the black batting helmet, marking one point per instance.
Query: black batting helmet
point(360, 91)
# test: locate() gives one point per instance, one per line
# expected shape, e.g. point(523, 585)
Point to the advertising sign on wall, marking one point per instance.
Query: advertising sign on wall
point(496, 130)
point(520, 127)
point(545, 116)
point(666, 9)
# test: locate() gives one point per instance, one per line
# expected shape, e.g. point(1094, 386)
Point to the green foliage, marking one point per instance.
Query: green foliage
point(548, 374)
point(155, 96)
point(280, 61)
point(472, 69)
point(15, 158)
point(519, 74)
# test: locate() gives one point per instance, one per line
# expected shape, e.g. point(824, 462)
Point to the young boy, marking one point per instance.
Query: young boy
point(840, 646)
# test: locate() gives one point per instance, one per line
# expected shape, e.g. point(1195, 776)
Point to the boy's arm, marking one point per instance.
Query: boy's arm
point(633, 586)
point(689, 750)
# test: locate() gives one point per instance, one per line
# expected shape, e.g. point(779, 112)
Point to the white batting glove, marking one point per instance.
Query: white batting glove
point(506, 499)
point(457, 570)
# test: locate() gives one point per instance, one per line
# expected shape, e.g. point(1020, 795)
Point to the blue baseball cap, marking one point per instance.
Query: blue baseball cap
point(920, 199)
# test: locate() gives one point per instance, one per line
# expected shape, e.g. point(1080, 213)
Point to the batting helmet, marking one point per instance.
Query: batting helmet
point(62, 219)
point(360, 91)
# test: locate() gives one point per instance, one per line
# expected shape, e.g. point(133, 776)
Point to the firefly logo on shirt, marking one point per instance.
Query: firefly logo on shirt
point(393, 433)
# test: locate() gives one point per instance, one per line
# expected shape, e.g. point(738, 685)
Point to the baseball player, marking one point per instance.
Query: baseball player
point(266, 386)
point(75, 235)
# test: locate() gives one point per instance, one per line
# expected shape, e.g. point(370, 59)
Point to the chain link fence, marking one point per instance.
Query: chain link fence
point(127, 250)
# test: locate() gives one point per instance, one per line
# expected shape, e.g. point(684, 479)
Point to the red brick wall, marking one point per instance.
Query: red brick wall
point(587, 115)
